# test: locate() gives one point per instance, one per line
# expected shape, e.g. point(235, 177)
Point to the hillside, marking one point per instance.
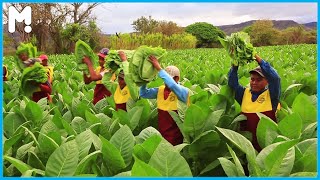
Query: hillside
point(281, 24)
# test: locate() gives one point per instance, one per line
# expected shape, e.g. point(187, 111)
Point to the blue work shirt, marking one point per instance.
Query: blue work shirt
point(273, 84)
point(151, 93)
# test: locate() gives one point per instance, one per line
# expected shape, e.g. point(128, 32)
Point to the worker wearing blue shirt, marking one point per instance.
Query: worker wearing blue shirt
point(168, 97)
point(263, 95)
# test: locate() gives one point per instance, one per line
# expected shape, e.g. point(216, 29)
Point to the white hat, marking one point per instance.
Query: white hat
point(172, 71)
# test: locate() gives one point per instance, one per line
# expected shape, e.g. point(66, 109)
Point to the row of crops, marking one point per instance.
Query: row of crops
point(73, 137)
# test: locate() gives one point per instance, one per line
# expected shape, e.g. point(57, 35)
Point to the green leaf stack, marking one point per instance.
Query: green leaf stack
point(239, 48)
point(27, 48)
point(113, 60)
point(83, 49)
point(141, 68)
point(32, 76)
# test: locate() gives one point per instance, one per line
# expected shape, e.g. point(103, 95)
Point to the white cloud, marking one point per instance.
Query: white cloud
point(118, 17)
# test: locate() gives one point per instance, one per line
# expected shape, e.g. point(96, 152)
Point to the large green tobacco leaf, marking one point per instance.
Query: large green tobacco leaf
point(85, 162)
point(229, 168)
point(11, 122)
point(112, 155)
point(105, 124)
point(135, 116)
point(145, 150)
point(277, 159)
point(91, 118)
point(146, 133)
point(212, 120)
point(79, 124)
point(63, 161)
point(306, 156)
point(194, 121)
point(96, 141)
point(34, 161)
point(45, 141)
point(218, 101)
point(204, 144)
point(291, 126)
point(84, 142)
point(244, 145)
point(68, 127)
point(239, 168)
point(79, 108)
point(227, 92)
point(210, 167)
point(168, 161)
point(141, 169)
point(310, 131)
point(180, 147)
point(146, 112)
point(8, 143)
point(33, 112)
point(267, 131)
point(31, 135)
point(67, 117)
point(47, 144)
point(306, 110)
point(20, 165)
point(122, 116)
point(123, 140)
point(239, 141)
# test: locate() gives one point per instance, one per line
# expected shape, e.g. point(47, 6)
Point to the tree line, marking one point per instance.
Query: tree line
point(56, 28)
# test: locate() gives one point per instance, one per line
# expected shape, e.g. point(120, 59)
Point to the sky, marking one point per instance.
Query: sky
point(118, 17)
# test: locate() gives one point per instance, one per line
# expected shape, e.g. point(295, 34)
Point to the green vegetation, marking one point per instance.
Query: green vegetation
point(239, 48)
point(133, 41)
point(206, 34)
point(73, 137)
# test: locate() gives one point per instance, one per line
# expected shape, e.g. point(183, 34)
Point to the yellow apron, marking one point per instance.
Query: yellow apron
point(121, 95)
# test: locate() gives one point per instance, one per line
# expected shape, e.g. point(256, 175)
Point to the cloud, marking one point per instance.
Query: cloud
point(118, 17)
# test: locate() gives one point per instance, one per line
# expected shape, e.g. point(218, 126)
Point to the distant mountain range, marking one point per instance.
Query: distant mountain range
point(279, 24)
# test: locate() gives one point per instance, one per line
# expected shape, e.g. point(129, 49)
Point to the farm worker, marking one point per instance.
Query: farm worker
point(122, 92)
point(100, 91)
point(44, 90)
point(5, 72)
point(169, 97)
point(263, 95)
point(22, 57)
point(44, 62)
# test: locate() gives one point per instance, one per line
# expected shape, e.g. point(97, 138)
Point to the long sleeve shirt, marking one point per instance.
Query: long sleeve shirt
point(180, 91)
point(273, 84)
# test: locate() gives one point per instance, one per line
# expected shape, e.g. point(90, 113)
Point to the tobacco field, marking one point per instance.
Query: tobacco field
point(73, 137)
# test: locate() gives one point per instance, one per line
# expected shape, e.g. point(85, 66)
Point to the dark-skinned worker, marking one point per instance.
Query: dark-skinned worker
point(100, 91)
point(121, 91)
point(263, 96)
